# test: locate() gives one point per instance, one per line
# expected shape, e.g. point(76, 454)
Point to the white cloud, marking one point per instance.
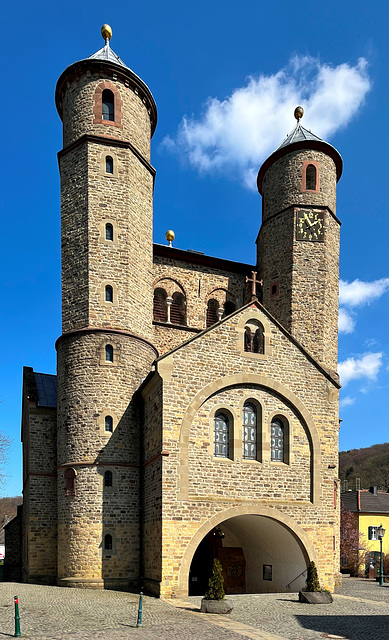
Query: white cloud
point(236, 134)
point(358, 293)
point(367, 366)
point(347, 401)
point(346, 324)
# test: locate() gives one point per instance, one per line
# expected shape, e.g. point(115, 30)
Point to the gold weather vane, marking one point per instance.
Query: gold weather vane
point(106, 32)
point(170, 235)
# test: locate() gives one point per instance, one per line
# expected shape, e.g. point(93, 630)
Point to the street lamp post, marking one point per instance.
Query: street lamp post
point(381, 533)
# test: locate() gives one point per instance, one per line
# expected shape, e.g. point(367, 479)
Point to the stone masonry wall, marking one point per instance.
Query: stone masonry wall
point(288, 383)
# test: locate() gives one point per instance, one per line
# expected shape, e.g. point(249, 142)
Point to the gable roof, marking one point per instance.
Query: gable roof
point(332, 376)
point(365, 501)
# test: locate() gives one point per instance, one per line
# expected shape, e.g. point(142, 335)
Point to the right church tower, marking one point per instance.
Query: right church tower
point(298, 243)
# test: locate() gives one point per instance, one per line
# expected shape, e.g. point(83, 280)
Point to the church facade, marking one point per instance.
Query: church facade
point(194, 412)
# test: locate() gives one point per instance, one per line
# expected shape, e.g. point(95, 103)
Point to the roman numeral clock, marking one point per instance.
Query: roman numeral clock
point(310, 226)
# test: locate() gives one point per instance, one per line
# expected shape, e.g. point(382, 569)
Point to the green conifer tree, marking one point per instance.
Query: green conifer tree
point(312, 583)
point(216, 583)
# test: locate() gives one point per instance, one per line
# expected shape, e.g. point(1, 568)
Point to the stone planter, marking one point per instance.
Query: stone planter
point(315, 597)
point(216, 606)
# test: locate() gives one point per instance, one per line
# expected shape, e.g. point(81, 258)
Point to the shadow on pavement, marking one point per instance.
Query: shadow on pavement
point(350, 627)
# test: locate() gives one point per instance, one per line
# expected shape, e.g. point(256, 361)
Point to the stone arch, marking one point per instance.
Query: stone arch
point(267, 383)
point(170, 285)
point(269, 512)
point(220, 294)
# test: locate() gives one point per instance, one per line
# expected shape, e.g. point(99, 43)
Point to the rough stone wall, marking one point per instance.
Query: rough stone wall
point(39, 495)
point(198, 487)
point(306, 273)
point(13, 545)
point(199, 284)
point(79, 111)
point(89, 388)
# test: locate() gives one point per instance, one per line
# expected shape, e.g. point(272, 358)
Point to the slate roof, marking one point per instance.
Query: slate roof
point(366, 502)
point(298, 134)
point(106, 53)
point(46, 386)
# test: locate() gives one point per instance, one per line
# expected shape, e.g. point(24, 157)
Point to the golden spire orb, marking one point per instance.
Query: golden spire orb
point(298, 113)
point(170, 235)
point(106, 32)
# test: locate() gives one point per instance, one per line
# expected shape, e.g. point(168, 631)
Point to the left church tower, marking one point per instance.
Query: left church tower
point(104, 352)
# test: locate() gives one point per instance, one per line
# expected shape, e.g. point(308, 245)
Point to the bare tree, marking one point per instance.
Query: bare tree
point(4, 445)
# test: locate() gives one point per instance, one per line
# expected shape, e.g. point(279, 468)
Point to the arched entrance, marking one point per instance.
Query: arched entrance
point(258, 553)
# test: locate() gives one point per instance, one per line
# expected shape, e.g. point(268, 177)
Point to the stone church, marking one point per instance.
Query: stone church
point(194, 413)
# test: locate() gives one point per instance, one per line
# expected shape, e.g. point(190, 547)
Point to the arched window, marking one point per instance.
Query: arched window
point(108, 293)
point(229, 307)
point(108, 422)
point(310, 177)
point(108, 542)
point(249, 432)
point(221, 435)
point(277, 440)
point(70, 482)
point(108, 111)
point(160, 305)
point(177, 309)
point(108, 477)
point(108, 353)
point(212, 308)
point(254, 337)
point(108, 164)
point(109, 232)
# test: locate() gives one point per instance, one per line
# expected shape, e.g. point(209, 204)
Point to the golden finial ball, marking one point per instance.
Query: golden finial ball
point(106, 32)
point(170, 235)
point(298, 113)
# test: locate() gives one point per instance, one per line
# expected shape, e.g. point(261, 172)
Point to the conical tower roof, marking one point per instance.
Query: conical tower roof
point(300, 138)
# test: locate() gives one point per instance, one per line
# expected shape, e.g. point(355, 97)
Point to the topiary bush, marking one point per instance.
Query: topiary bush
point(312, 583)
point(216, 583)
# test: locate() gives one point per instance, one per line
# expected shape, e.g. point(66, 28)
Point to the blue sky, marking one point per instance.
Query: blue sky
point(226, 77)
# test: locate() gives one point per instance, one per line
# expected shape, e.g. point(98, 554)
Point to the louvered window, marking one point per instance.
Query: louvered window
point(177, 309)
point(160, 305)
point(212, 308)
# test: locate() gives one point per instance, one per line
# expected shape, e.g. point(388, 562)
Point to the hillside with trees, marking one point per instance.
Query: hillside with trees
point(370, 464)
point(8, 507)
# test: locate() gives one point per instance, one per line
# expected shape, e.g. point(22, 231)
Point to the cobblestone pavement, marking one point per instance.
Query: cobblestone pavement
point(360, 611)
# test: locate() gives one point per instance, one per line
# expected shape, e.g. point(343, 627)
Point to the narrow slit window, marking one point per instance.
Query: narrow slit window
point(177, 309)
point(277, 440)
point(160, 305)
point(108, 164)
point(108, 105)
point(70, 482)
point(249, 432)
point(212, 309)
point(108, 542)
point(109, 231)
point(310, 177)
point(108, 353)
point(221, 435)
point(108, 479)
point(108, 293)
point(108, 419)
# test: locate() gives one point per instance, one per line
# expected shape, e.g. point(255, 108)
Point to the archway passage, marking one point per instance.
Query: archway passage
point(258, 555)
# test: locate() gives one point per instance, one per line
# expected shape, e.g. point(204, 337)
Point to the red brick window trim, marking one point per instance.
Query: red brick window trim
point(98, 105)
point(310, 179)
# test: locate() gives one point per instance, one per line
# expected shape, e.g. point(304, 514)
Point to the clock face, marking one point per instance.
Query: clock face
point(310, 226)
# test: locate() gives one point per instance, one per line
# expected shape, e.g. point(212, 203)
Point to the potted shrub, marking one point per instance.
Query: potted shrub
point(313, 594)
point(214, 600)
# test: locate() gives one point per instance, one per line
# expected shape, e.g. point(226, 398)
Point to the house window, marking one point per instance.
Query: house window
point(249, 432)
point(108, 477)
point(221, 435)
point(108, 293)
point(310, 177)
point(277, 440)
point(108, 164)
point(108, 353)
point(108, 542)
point(254, 337)
point(212, 309)
point(160, 305)
point(70, 482)
point(177, 309)
point(108, 419)
point(372, 533)
point(108, 110)
point(109, 232)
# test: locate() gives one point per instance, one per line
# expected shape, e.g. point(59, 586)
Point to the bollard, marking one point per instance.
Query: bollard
point(139, 621)
point(17, 618)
